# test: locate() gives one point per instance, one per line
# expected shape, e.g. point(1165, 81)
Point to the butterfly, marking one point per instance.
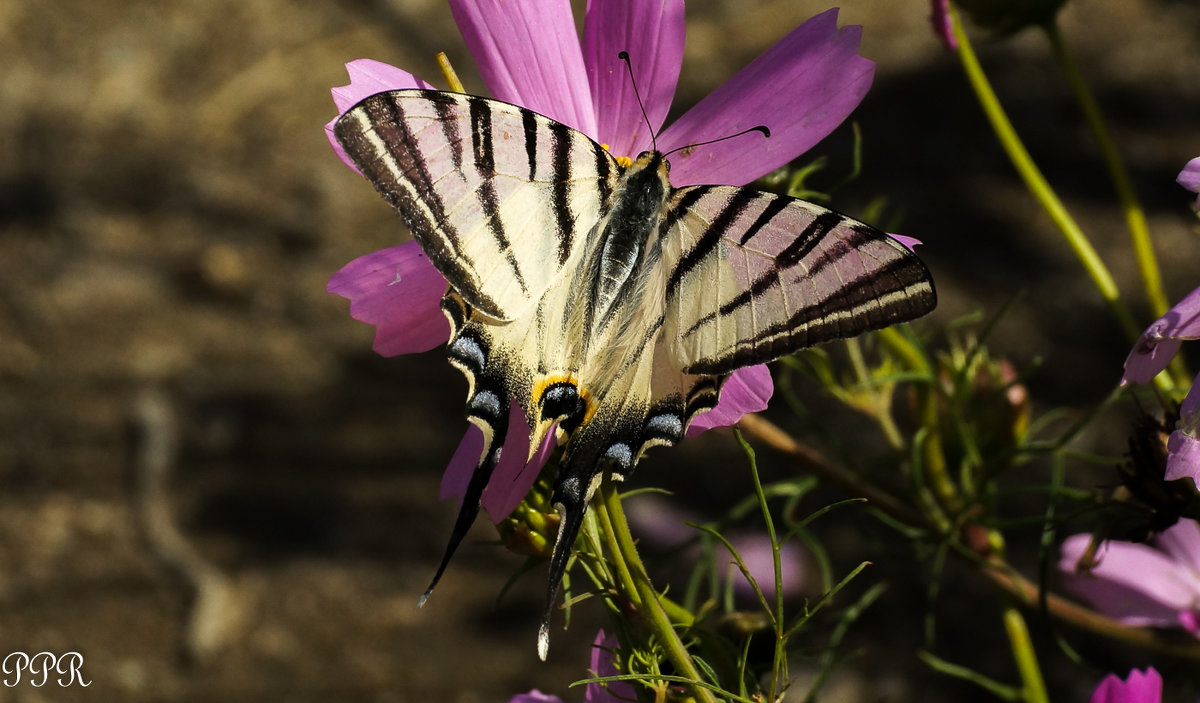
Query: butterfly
point(610, 305)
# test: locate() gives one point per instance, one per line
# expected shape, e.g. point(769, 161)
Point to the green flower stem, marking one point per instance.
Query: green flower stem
point(1135, 217)
point(610, 503)
point(880, 402)
point(1026, 658)
point(677, 613)
point(1038, 185)
point(616, 555)
point(899, 345)
point(934, 461)
point(995, 569)
point(934, 457)
point(766, 431)
point(779, 664)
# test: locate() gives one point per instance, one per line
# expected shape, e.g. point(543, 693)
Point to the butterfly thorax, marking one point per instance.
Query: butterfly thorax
point(614, 280)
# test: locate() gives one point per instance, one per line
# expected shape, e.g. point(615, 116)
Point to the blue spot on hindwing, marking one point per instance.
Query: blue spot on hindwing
point(621, 454)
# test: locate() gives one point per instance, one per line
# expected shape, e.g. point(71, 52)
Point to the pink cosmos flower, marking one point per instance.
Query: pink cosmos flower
point(1183, 446)
point(1138, 688)
point(1141, 584)
point(1189, 178)
point(530, 54)
point(759, 558)
point(602, 665)
point(1162, 339)
point(1153, 351)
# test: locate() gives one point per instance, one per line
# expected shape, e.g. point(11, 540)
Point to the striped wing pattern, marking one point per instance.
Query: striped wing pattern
point(756, 276)
point(609, 305)
point(499, 197)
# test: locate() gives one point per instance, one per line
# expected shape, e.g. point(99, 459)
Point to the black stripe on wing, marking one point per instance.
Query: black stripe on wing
point(676, 211)
point(484, 153)
point(809, 239)
point(414, 197)
point(446, 106)
point(777, 205)
point(560, 140)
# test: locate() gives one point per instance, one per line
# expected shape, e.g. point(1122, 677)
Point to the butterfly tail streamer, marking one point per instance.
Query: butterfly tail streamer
point(489, 411)
point(573, 489)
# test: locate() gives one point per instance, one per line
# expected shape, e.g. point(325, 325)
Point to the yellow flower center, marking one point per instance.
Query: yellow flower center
point(624, 161)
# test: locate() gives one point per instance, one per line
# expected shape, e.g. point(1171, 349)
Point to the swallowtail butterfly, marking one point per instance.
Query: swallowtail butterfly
point(609, 304)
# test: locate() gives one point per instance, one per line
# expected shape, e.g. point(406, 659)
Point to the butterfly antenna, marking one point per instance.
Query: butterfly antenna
point(760, 128)
point(624, 56)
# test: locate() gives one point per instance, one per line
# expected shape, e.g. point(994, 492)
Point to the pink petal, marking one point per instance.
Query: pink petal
point(1189, 177)
point(1183, 457)
point(1140, 688)
point(513, 477)
point(535, 696)
point(756, 553)
point(528, 53)
point(1189, 411)
point(746, 391)
point(1135, 583)
point(943, 24)
point(1159, 343)
point(907, 242)
point(511, 480)
point(458, 472)
point(1148, 358)
point(659, 523)
point(1183, 446)
point(602, 665)
point(652, 33)
point(1181, 542)
point(367, 77)
point(1120, 603)
point(399, 292)
point(800, 89)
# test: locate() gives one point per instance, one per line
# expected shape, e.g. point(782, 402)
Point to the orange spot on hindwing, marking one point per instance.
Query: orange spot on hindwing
point(560, 399)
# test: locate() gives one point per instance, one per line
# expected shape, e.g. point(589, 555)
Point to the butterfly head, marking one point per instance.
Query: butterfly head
point(652, 162)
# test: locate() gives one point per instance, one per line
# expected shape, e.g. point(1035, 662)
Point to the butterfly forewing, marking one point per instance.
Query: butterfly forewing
point(499, 197)
point(755, 276)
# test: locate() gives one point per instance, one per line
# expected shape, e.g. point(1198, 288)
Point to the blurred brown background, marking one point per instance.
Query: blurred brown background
point(213, 489)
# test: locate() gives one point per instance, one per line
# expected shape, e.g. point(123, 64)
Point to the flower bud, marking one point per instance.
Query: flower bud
point(992, 406)
point(532, 528)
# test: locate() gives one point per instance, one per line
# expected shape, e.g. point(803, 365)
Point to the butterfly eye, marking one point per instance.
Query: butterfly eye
point(642, 155)
point(667, 164)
